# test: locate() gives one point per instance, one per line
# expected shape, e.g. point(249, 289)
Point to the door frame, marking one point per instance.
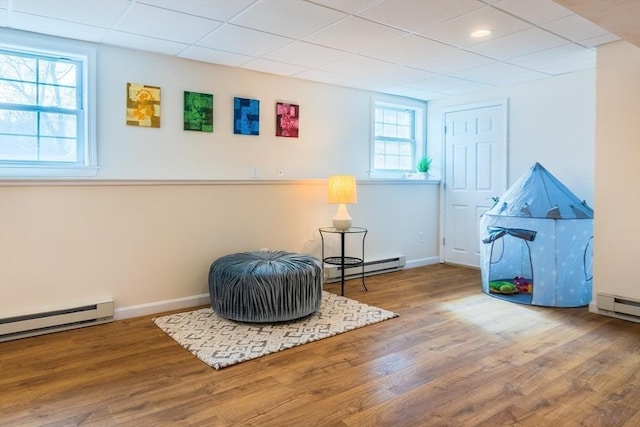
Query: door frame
point(499, 102)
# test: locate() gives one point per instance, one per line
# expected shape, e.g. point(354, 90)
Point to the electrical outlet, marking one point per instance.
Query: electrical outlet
point(280, 174)
point(421, 237)
point(255, 173)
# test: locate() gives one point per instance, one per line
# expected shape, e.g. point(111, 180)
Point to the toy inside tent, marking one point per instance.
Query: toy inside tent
point(513, 281)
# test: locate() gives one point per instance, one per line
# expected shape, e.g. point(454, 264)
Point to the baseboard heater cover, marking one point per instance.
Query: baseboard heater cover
point(56, 320)
point(386, 265)
point(621, 307)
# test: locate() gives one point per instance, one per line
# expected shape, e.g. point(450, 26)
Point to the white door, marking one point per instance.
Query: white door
point(475, 172)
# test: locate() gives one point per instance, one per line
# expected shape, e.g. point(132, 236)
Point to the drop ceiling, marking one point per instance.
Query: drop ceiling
point(416, 48)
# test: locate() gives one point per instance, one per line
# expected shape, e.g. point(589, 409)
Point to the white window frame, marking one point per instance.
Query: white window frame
point(419, 109)
point(51, 46)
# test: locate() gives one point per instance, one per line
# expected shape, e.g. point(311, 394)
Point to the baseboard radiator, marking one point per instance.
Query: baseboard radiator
point(333, 272)
point(620, 307)
point(57, 320)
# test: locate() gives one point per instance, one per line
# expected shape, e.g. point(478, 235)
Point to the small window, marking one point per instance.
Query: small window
point(398, 136)
point(45, 109)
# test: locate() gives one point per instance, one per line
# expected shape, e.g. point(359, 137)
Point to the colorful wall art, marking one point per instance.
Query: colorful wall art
point(198, 111)
point(287, 120)
point(143, 105)
point(246, 116)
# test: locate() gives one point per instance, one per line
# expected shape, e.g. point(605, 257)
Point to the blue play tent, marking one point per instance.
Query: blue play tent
point(536, 244)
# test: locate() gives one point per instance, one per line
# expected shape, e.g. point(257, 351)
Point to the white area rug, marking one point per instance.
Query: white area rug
point(220, 342)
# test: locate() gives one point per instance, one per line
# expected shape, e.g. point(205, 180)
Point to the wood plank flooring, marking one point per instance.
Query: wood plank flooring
point(454, 357)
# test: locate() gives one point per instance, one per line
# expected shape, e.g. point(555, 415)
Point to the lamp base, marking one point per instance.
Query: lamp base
point(341, 224)
point(342, 220)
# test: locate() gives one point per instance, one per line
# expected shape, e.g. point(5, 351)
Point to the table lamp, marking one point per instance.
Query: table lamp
point(342, 190)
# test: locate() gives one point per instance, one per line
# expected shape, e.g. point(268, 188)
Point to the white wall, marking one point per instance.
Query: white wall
point(551, 121)
point(167, 202)
point(617, 226)
point(334, 123)
point(147, 244)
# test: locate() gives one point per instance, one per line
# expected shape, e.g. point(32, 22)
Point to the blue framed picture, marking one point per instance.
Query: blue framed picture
point(246, 116)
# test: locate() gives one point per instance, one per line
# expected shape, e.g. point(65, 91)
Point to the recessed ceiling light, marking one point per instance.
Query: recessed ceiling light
point(481, 33)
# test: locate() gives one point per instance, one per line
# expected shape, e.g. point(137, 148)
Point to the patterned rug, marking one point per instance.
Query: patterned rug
point(220, 342)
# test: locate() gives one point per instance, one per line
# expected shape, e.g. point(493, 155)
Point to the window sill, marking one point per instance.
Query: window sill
point(404, 176)
point(47, 172)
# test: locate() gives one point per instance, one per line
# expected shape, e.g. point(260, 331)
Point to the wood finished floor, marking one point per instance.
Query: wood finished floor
point(454, 357)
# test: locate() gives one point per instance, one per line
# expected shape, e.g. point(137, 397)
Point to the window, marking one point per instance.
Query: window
point(46, 126)
point(398, 139)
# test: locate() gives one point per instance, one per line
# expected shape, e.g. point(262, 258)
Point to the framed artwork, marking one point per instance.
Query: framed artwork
point(198, 111)
point(287, 119)
point(143, 105)
point(246, 116)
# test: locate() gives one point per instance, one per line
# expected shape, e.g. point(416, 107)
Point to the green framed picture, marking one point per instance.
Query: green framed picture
point(198, 111)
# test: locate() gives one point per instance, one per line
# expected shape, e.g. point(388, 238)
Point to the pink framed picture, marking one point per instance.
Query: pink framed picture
point(287, 120)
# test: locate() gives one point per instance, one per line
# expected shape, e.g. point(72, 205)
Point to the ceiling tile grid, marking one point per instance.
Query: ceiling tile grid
point(416, 48)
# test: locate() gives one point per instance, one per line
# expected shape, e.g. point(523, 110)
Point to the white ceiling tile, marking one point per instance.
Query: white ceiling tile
point(449, 86)
point(412, 15)
point(408, 50)
point(537, 12)
point(598, 40)
point(409, 92)
point(349, 6)
point(512, 79)
point(440, 84)
point(161, 23)
point(457, 31)
point(570, 67)
point(489, 73)
point(408, 47)
point(322, 76)
point(469, 87)
point(243, 41)
point(149, 44)
point(306, 54)
point(518, 44)
point(54, 27)
point(214, 56)
point(366, 84)
point(354, 34)
point(291, 18)
point(566, 53)
point(88, 12)
point(220, 10)
point(361, 66)
point(455, 61)
point(273, 67)
point(404, 75)
point(574, 27)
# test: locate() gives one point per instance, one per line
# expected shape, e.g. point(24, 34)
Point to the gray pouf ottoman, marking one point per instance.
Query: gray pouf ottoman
point(266, 286)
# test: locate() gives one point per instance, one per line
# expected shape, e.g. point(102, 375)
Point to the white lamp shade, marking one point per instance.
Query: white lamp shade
point(342, 189)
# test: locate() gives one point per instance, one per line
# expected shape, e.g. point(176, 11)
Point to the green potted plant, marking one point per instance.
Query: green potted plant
point(423, 166)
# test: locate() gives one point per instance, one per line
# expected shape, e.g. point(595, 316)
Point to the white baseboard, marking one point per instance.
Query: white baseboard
point(593, 308)
point(160, 306)
point(203, 299)
point(422, 262)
